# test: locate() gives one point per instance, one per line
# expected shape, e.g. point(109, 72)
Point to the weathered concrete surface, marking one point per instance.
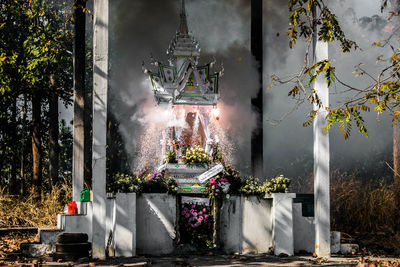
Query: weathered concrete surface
point(230, 225)
point(335, 242)
point(125, 228)
point(282, 223)
point(321, 159)
point(348, 249)
point(37, 250)
point(303, 230)
point(257, 225)
point(246, 225)
point(155, 224)
point(100, 89)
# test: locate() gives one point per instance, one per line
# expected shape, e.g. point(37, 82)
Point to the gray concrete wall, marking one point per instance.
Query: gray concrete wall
point(155, 224)
point(304, 230)
point(282, 223)
point(125, 225)
point(231, 225)
point(256, 225)
point(246, 225)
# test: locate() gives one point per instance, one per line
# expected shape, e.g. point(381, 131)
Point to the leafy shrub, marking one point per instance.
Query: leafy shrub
point(127, 183)
point(170, 157)
point(276, 185)
point(252, 187)
point(150, 183)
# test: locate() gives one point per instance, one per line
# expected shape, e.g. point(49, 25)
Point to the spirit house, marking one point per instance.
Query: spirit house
point(182, 81)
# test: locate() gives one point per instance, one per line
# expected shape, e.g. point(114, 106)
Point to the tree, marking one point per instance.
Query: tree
point(380, 95)
point(34, 63)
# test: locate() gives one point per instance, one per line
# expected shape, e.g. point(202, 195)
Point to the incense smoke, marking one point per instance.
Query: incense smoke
point(289, 146)
point(143, 28)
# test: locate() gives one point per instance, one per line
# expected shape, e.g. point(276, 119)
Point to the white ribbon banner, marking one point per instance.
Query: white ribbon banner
point(210, 173)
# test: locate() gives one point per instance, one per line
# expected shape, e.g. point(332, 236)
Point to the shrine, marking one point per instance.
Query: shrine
point(211, 206)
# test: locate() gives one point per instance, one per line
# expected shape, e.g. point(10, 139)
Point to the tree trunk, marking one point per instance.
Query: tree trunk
point(14, 145)
point(53, 134)
point(36, 146)
point(24, 150)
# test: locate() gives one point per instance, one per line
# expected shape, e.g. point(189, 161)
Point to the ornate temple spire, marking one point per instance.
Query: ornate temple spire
point(183, 25)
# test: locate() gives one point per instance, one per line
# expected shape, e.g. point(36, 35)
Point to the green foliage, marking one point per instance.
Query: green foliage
point(304, 17)
point(196, 154)
point(126, 183)
point(35, 44)
point(276, 185)
point(170, 157)
point(217, 153)
point(312, 19)
point(344, 118)
point(150, 183)
point(252, 187)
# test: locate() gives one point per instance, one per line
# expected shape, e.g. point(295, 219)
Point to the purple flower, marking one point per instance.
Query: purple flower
point(191, 211)
point(183, 212)
point(187, 215)
point(193, 206)
point(185, 209)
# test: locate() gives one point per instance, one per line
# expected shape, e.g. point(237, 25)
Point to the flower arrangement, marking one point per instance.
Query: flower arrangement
point(276, 185)
point(252, 186)
point(194, 215)
point(172, 186)
point(196, 225)
point(217, 187)
point(217, 153)
point(233, 177)
point(170, 157)
point(126, 183)
point(146, 183)
point(196, 154)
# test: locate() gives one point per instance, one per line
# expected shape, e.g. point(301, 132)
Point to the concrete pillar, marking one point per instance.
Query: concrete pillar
point(79, 101)
point(321, 160)
point(282, 216)
point(100, 85)
point(257, 102)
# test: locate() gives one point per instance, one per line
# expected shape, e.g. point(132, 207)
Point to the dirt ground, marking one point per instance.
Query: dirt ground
point(212, 260)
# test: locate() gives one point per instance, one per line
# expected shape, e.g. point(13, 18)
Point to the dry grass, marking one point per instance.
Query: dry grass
point(358, 208)
point(17, 211)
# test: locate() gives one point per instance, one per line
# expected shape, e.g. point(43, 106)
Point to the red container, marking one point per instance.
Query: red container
point(72, 208)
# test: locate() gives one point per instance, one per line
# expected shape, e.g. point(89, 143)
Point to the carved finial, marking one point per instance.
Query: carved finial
point(183, 26)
